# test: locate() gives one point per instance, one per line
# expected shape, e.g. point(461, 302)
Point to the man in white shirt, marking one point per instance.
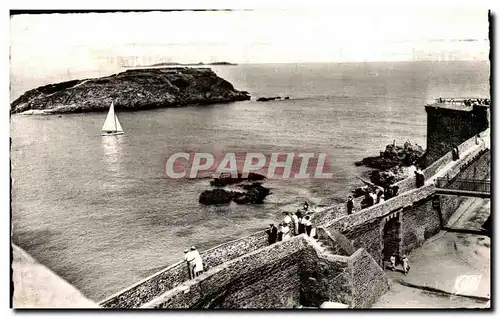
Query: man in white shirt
point(189, 257)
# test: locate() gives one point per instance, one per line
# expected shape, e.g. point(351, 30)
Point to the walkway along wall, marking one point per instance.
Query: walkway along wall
point(283, 275)
point(414, 215)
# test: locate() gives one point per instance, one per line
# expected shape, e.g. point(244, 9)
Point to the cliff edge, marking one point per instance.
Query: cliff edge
point(131, 90)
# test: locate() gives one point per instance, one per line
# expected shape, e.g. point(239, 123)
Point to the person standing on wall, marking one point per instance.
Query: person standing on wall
point(373, 197)
point(190, 259)
point(419, 178)
point(454, 153)
point(198, 262)
point(295, 220)
point(272, 233)
point(287, 220)
point(286, 232)
point(280, 233)
point(186, 254)
point(381, 199)
point(308, 225)
point(394, 191)
point(301, 226)
point(350, 205)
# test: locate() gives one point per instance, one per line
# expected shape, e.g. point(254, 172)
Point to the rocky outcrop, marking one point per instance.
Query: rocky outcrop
point(394, 156)
point(391, 164)
point(227, 179)
point(267, 99)
point(131, 90)
point(254, 193)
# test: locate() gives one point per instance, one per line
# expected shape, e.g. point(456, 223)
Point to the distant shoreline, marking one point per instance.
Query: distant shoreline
point(183, 64)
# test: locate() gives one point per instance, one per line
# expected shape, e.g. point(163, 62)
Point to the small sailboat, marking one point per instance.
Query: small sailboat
point(111, 124)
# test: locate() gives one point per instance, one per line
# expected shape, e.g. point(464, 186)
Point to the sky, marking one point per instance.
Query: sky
point(381, 33)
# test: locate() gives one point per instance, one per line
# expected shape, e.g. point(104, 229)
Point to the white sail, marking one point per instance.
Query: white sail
point(111, 124)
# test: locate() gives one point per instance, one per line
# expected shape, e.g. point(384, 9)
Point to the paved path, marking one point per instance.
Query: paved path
point(439, 265)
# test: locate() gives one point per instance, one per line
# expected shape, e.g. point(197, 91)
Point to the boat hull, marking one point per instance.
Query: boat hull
point(112, 133)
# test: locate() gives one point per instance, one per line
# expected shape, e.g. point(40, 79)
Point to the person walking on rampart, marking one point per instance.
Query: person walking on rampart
point(350, 205)
point(280, 233)
point(272, 233)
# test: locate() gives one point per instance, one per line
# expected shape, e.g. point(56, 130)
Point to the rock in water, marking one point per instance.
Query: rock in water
point(255, 194)
point(216, 196)
point(227, 179)
point(390, 164)
point(131, 90)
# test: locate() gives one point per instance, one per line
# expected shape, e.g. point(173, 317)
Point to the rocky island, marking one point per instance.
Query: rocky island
point(131, 90)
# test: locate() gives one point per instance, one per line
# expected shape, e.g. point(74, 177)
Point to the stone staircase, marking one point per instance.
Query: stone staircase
point(325, 248)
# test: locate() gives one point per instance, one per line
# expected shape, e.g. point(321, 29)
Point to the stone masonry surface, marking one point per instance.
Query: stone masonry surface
point(368, 279)
point(282, 275)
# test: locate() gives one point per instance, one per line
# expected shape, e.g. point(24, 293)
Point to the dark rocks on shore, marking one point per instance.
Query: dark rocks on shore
point(394, 156)
point(389, 164)
point(136, 89)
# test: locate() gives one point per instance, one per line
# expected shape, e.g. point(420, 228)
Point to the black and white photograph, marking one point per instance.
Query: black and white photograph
point(329, 158)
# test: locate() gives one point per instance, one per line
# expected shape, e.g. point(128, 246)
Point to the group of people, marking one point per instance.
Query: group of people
point(374, 195)
point(467, 102)
point(194, 262)
point(403, 261)
point(293, 224)
point(476, 101)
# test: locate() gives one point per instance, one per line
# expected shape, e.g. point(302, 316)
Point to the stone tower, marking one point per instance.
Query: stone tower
point(451, 122)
